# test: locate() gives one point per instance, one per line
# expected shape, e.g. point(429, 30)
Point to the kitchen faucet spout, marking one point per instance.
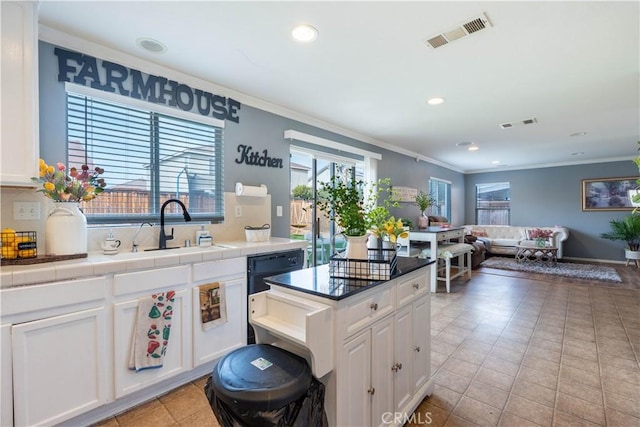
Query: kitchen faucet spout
point(134, 241)
point(164, 237)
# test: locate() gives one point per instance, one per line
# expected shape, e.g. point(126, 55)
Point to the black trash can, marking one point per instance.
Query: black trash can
point(262, 386)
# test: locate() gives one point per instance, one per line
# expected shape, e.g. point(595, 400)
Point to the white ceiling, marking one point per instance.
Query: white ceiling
point(574, 66)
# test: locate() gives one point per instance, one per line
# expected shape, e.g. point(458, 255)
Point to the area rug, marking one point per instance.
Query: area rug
point(565, 269)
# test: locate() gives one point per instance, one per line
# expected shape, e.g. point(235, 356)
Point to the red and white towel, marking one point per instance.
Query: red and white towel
point(151, 336)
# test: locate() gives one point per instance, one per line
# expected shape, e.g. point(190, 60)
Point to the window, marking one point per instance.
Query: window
point(148, 157)
point(440, 190)
point(493, 203)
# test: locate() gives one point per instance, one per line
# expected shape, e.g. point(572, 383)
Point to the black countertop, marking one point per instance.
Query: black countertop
point(316, 280)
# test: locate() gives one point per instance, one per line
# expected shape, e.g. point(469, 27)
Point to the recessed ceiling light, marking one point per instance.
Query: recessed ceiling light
point(578, 153)
point(473, 148)
point(496, 162)
point(304, 33)
point(435, 101)
point(151, 45)
point(578, 134)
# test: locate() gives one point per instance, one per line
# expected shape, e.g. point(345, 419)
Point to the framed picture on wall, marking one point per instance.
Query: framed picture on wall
point(406, 194)
point(608, 194)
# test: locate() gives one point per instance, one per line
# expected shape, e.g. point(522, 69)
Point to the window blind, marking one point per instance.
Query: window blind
point(148, 158)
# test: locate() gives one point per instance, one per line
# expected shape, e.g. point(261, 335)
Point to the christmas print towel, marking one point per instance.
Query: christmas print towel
point(151, 335)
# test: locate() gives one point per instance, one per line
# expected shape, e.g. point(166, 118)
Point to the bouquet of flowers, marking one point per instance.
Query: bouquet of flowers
point(539, 233)
point(392, 228)
point(71, 185)
point(540, 236)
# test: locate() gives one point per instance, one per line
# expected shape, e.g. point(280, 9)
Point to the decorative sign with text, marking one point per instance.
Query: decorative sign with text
point(406, 194)
point(257, 158)
point(110, 77)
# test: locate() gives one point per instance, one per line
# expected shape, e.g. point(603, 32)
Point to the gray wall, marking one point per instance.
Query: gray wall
point(260, 129)
point(552, 196)
point(549, 196)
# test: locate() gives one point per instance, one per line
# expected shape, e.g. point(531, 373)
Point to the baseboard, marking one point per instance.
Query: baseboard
point(593, 260)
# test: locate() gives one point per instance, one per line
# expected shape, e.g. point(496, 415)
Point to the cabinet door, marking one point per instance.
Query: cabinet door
point(176, 360)
point(382, 360)
point(421, 341)
point(219, 340)
point(59, 367)
point(19, 93)
point(354, 382)
point(6, 381)
point(402, 375)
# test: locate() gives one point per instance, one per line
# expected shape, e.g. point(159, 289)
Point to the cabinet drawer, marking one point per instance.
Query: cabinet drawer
point(150, 280)
point(453, 234)
point(411, 286)
point(52, 295)
point(220, 269)
point(367, 309)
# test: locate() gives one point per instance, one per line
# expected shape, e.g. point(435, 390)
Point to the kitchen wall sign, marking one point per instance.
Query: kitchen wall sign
point(255, 158)
point(110, 77)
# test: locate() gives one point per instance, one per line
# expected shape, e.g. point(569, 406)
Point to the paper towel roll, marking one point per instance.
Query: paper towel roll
point(249, 190)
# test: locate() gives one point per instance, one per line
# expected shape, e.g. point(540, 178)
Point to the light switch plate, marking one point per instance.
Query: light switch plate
point(278, 210)
point(238, 211)
point(26, 210)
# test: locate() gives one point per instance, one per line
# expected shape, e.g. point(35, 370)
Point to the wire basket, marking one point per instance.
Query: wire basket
point(18, 244)
point(380, 265)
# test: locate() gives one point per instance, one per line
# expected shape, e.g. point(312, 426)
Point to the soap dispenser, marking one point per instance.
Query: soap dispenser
point(111, 244)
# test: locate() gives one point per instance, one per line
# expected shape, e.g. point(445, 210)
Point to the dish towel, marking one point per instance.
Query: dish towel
point(213, 305)
point(151, 335)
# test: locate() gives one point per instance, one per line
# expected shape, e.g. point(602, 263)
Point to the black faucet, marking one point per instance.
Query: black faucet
point(163, 236)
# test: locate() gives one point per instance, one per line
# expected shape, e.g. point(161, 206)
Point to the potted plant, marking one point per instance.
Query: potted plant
point(627, 230)
point(424, 201)
point(354, 209)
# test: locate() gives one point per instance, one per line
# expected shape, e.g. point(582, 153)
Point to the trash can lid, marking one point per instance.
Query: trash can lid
point(260, 377)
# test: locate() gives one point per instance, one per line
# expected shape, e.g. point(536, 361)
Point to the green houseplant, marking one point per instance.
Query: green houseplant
point(424, 201)
point(627, 230)
point(354, 208)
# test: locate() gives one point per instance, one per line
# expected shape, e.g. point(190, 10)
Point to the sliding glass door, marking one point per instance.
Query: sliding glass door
point(308, 170)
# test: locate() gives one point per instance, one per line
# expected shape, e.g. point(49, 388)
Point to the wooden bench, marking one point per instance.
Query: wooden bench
point(446, 252)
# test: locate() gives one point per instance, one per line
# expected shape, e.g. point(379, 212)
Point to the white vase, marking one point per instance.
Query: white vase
point(356, 247)
point(66, 230)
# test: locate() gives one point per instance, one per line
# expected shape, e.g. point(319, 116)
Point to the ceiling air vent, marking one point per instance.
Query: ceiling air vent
point(473, 25)
point(519, 123)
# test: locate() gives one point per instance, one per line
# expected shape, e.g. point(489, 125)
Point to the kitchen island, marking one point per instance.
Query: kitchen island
point(369, 342)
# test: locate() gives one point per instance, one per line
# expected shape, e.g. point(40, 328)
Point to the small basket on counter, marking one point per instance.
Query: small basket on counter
point(18, 244)
point(257, 234)
point(380, 265)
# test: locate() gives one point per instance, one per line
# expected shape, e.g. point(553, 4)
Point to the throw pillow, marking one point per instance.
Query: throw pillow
point(470, 239)
point(479, 233)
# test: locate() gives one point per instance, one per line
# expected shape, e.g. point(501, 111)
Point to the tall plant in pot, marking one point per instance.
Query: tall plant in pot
point(627, 230)
point(424, 201)
point(353, 207)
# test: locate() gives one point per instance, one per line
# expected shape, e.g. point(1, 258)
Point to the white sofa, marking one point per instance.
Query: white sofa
point(502, 239)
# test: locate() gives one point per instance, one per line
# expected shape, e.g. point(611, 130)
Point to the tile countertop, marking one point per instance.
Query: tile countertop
point(96, 264)
point(316, 281)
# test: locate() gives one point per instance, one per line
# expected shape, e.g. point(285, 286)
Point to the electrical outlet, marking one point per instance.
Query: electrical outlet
point(26, 210)
point(238, 211)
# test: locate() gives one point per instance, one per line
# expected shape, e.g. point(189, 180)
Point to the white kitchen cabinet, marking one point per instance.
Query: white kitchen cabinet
point(365, 375)
point(19, 93)
point(54, 359)
point(59, 367)
point(128, 289)
point(6, 377)
point(215, 342)
point(383, 367)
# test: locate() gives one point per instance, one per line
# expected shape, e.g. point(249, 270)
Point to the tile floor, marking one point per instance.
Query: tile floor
point(509, 349)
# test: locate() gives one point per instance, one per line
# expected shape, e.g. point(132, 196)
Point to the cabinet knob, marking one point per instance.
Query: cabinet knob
point(374, 306)
point(372, 391)
point(416, 286)
point(396, 367)
point(417, 348)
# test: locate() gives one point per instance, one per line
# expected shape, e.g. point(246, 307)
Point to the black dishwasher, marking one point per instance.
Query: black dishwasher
point(261, 266)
